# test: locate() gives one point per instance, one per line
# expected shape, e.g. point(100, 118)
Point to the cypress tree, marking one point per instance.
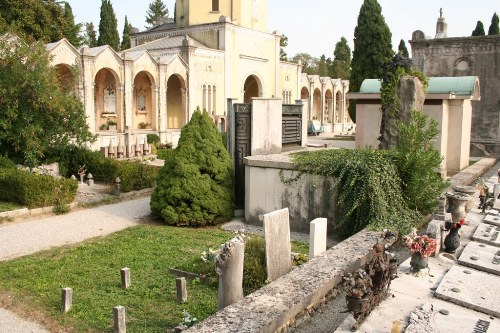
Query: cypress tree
point(479, 31)
point(108, 26)
point(71, 30)
point(402, 50)
point(283, 44)
point(157, 9)
point(341, 66)
point(127, 27)
point(494, 28)
point(90, 35)
point(372, 47)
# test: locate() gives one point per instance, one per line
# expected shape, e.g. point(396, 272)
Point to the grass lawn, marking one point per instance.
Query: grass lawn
point(92, 269)
point(7, 206)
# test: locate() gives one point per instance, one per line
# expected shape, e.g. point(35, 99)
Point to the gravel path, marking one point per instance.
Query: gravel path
point(27, 237)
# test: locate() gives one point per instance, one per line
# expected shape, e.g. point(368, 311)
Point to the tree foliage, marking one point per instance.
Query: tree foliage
point(38, 20)
point(71, 30)
point(90, 38)
point(156, 10)
point(308, 63)
point(36, 115)
point(341, 65)
point(195, 187)
point(322, 67)
point(479, 30)
point(372, 47)
point(108, 26)
point(283, 44)
point(127, 27)
point(402, 50)
point(494, 26)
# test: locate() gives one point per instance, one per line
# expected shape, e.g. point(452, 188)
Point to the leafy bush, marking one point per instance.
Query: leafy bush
point(34, 190)
point(195, 186)
point(153, 139)
point(254, 266)
point(7, 163)
point(164, 153)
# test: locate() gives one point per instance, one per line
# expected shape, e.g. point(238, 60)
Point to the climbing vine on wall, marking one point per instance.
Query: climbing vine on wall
point(367, 186)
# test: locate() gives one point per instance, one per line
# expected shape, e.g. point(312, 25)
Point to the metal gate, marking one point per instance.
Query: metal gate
point(243, 116)
point(291, 124)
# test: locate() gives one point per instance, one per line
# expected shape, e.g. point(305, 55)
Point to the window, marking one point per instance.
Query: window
point(215, 5)
point(209, 99)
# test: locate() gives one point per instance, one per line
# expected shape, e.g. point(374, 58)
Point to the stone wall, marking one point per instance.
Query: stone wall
point(468, 56)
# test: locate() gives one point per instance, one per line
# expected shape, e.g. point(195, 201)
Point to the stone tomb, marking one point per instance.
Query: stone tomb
point(482, 257)
point(278, 248)
point(493, 219)
point(472, 289)
point(488, 234)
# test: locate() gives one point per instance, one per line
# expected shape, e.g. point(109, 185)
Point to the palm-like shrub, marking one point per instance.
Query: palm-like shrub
point(195, 187)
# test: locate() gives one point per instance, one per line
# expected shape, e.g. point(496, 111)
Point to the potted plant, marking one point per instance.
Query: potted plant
point(144, 125)
point(103, 127)
point(111, 125)
point(421, 248)
point(359, 290)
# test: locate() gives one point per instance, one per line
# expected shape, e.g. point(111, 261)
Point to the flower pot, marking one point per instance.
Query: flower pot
point(418, 262)
point(457, 202)
point(358, 304)
point(470, 190)
point(452, 241)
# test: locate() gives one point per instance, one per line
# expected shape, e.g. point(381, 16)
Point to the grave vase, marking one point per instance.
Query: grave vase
point(418, 262)
point(470, 190)
point(452, 241)
point(457, 202)
point(358, 304)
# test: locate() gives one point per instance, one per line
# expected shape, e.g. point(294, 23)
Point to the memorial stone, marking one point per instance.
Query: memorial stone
point(278, 248)
point(317, 237)
point(119, 319)
point(488, 234)
point(125, 276)
point(229, 267)
point(66, 299)
point(180, 284)
point(482, 257)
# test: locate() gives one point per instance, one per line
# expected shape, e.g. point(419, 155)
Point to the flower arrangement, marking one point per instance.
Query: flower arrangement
point(424, 244)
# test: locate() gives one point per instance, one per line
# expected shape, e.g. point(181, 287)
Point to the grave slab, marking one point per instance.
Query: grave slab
point(278, 248)
point(471, 289)
point(493, 219)
point(496, 205)
point(488, 234)
point(482, 257)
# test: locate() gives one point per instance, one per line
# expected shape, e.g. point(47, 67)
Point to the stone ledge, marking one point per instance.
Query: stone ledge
point(275, 306)
point(23, 212)
point(470, 174)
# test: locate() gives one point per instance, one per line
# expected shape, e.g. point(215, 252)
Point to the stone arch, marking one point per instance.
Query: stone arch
point(304, 93)
point(316, 113)
point(144, 101)
point(328, 106)
point(252, 88)
point(463, 66)
point(107, 100)
point(65, 77)
point(176, 102)
point(338, 107)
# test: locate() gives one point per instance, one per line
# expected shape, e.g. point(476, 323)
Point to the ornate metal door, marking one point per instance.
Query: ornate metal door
point(243, 134)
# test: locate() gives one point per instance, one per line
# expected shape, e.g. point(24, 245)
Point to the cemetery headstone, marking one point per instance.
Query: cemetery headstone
point(180, 283)
point(229, 267)
point(125, 276)
point(119, 319)
point(278, 248)
point(66, 299)
point(317, 237)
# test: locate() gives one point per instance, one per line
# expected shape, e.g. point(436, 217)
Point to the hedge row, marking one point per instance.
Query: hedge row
point(134, 175)
point(33, 190)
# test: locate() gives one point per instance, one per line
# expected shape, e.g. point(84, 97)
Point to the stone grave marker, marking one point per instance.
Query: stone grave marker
point(180, 284)
point(482, 257)
point(278, 248)
point(488, 234)
point(125, 277)
point(493, 219)
point(229, 267)
point(66, 299)
point(317, 237)
point(472, 289)
point(119, 319)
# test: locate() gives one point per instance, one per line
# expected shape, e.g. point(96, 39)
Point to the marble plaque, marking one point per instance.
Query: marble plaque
point(482, 257)
point(488, 234)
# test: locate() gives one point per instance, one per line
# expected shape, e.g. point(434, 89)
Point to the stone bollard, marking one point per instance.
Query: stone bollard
point(125, 275)
point(73, 178)
point(180, 284)
point(117, 186)
point(317, 237)
point(66, 299)
point(90, 179)
point(119, 319)
point(229, 267)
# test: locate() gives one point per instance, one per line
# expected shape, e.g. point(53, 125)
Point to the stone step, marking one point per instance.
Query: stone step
point(482, 257)
point(493, 219)
point(487, 234)
point(471, 289)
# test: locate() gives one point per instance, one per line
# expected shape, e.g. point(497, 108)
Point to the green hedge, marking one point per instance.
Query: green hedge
point(134, 175)
point(33, 190)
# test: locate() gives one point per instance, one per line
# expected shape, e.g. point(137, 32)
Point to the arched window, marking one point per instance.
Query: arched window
point(215, 5)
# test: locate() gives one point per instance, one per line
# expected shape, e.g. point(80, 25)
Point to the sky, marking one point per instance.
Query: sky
point(315, 26)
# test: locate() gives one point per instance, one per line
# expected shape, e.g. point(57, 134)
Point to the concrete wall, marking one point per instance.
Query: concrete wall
point(266, 126)
point(307, 199)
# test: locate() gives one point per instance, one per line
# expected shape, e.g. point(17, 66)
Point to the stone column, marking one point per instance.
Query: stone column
point(66, 299)
point(125, 277)
point(229, 267)
point(184, 105)
point(180, 284)
point(119, 319)
point(128, 93)
point(322, 101)
point(162, 104)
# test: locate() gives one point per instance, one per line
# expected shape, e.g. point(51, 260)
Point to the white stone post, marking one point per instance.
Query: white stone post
point(229, 267)
point(125, 276)
point(180, 284)
point(119, 319)
point(317, 237)
point(278, 248)
point(66, 299)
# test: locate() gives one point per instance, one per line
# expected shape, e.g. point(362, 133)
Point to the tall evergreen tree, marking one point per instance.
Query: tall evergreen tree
point(402, 50)
point(283, 44)
point(341, 66)
point(372, 47)
point(494, 28)
point(322, 66)
point(72, 30)
point(108, 26)
point(157, 9)
point(90, 35)
point(479, 31)
point(127, 27)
